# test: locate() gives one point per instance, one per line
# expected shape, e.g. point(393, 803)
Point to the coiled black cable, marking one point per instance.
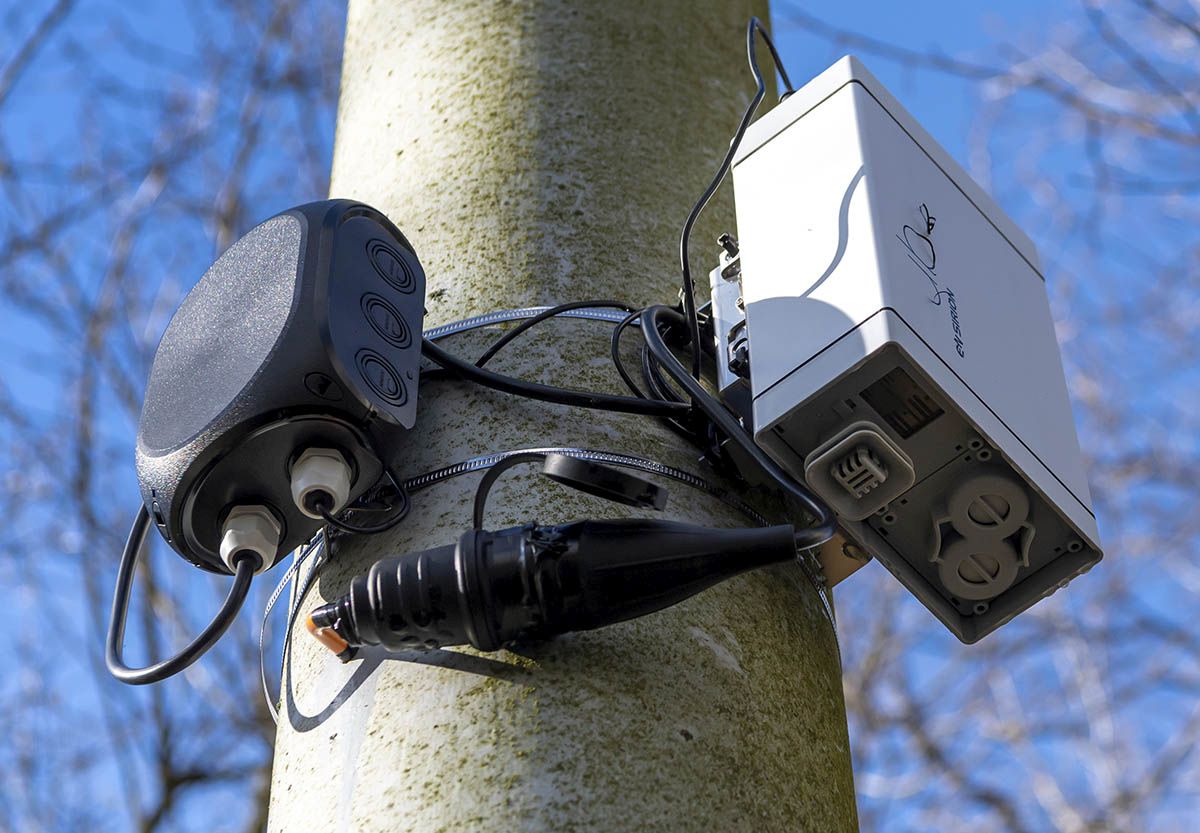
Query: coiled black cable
point(399, 513)
point(245, 566)
point(549, 393)
point(824, 525)
point(615, 351)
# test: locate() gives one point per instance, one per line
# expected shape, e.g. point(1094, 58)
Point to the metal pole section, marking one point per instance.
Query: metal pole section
point(536, 152)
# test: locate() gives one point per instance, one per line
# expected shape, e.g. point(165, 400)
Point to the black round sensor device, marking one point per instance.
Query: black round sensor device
point(304, 335)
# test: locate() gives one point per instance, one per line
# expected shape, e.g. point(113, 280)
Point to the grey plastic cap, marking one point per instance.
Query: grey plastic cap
point(988, 504)
point(978, 569)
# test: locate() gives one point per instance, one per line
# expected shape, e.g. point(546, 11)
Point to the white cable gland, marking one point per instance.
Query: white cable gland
point(320, 472)
point(250, 528)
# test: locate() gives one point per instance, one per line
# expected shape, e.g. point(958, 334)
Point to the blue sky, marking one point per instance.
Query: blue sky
point(945, 106)
point(958, 28)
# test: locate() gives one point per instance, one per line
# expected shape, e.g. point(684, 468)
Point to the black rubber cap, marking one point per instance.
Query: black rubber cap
point(605, 482)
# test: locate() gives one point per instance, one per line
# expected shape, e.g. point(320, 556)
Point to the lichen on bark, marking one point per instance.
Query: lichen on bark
point(537, 152)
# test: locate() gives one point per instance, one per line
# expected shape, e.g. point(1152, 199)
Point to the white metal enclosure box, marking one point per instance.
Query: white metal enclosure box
point(902, 354)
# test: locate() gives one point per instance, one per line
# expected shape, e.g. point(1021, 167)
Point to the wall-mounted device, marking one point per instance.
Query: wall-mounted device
point(885, 358)
point(292, 360)
point(288, 369)
point(886, 329)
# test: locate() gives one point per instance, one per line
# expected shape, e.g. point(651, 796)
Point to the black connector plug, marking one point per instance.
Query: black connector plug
point(533, 582)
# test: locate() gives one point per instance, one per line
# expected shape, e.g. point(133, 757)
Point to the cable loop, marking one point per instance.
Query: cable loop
point(825, 524)
point(354, 529)
point(316, 545)
point(158, 671)
point(685, 264)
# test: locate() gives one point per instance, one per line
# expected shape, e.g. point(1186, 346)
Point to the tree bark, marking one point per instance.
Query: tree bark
point(537, 152)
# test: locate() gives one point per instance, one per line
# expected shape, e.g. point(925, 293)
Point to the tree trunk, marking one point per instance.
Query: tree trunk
point(537, 152)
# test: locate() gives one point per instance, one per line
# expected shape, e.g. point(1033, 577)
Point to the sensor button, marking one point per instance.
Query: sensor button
point(386, 320)
point(391, 266)
point(381, 377)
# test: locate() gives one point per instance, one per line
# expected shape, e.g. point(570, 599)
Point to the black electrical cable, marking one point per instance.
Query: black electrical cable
point(245, 566)
point(529, 323)
point(492, 475)
point(757, 26)
point(660, 391)
point(702, 436)
point(825, 525)
point(615, 348)
point(652, 383)
point(689, 300)
point(687, 433)
point(315, 548)
point(548, 393)
point(400, 514)
point(655, 380)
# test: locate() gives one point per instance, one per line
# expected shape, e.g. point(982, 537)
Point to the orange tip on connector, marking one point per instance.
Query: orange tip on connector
point(327, 637)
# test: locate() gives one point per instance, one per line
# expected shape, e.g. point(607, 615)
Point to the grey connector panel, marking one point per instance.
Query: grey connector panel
point(887, 332)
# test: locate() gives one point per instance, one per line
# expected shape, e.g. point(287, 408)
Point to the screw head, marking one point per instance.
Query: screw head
point(855, 551)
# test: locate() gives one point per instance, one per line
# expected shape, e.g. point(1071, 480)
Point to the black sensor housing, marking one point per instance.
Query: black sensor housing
point(305, 333)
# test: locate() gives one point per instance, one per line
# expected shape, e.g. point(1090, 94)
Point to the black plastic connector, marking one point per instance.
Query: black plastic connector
point(533, 582)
